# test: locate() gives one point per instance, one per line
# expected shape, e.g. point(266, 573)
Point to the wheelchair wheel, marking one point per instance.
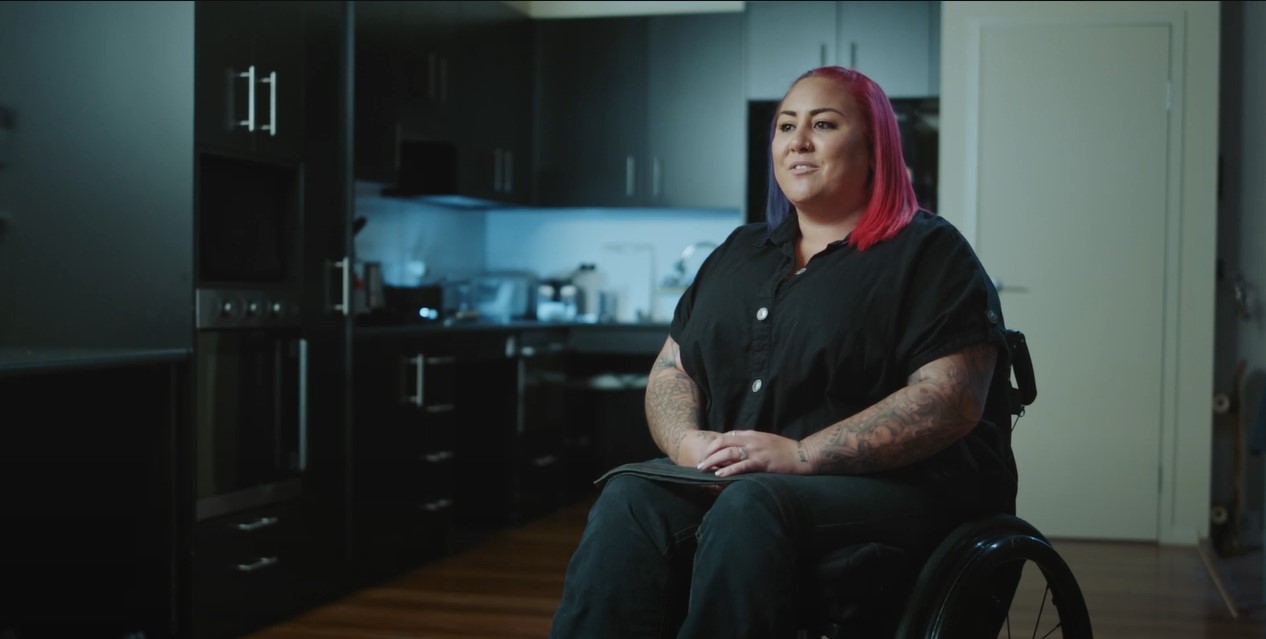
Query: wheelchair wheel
point(996, 578)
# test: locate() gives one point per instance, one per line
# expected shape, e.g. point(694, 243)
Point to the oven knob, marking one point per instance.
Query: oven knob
point(228, 308)
point(277, 309)
point(252, 309)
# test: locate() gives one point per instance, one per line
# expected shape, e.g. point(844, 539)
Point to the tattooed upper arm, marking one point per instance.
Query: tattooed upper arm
point(669, 356)
point(962, 378)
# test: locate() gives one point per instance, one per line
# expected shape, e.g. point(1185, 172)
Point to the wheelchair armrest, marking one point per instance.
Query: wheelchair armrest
point(1022, 367)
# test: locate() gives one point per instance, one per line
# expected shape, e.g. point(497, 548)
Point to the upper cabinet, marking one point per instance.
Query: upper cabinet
point(785, 39)
point(250, 78)
point(895, 43)
point(458, 74)
point(641, 111)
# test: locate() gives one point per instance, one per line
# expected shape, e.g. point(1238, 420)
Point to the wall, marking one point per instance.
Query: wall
point(398, 232)
point(97, 182)
point(625, 244)
point(1241, 240)
point(564, 9)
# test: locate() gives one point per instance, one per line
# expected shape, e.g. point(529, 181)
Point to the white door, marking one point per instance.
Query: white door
point(1071, 216)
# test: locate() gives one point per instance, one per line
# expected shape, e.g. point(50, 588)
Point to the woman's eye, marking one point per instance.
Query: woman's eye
point(824, 124)
point(786, 126)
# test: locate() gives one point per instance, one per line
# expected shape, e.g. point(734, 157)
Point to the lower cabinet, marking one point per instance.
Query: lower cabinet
point(90, 485)
point(246, 570)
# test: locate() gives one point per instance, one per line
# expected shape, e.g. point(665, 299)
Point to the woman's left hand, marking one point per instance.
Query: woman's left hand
point(752, 451)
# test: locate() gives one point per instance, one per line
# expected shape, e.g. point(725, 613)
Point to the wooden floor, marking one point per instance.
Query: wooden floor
point(508, 587)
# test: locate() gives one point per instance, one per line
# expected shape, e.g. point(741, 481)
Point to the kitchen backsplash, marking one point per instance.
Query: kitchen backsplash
point(624, 244)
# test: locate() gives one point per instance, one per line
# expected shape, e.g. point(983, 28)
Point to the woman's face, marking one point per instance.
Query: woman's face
point(820, 155)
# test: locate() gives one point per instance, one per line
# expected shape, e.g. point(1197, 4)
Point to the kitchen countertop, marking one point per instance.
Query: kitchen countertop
point(632, 338)
point(16, 361)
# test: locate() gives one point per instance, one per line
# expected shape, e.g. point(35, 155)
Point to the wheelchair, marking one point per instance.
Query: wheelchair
point(970, 587)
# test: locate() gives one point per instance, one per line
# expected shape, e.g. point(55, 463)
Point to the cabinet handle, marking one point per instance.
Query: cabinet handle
point(545, 460)
point(822, 55)
point(262, 562)
point(346, 286)
point(437, 505)
point(437, 457)
point(249, 122)
point(418, 397)
point(262, 522)
point(630, 169)
point(852, 55)
point(496, 170)
point(441, 408)
point(303, 405)
point(655, 178)
point(438, 361)
point(271, 81)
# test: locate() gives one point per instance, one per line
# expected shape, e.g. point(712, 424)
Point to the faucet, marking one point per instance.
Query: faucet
point(623, 247)
point(679, 277)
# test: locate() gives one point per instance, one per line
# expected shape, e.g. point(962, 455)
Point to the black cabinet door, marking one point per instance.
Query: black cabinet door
point(278, 29)
point(493, 68)
point(223, 75)
point(249, 78)
point(696, 113)
point(591, 112)
point(404, 77)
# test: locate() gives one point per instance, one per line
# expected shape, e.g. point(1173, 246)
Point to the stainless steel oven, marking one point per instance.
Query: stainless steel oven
point(251, 421)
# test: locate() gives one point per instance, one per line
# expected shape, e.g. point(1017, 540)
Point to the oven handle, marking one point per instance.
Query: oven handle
point(303, 404)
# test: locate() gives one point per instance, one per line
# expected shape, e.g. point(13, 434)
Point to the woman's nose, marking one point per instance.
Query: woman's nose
point(799, 141)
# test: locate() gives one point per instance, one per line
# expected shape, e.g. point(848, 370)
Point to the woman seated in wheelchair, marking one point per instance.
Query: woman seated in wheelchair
point(824, 384)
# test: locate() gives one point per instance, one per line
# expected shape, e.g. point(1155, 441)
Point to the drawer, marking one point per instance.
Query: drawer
point(255, 531)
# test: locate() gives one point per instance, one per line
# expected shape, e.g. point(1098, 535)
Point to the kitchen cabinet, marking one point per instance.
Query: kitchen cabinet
point(92, 479)
point(591, 111)
point(245, 570)
point(894, 43)
point(695, 111)
point(451, 72)
point(512, 426)
point(785, 39)
point(891, 43)
point(249, 78)
point(404, 443)
point(641, 111)
point(494, 106)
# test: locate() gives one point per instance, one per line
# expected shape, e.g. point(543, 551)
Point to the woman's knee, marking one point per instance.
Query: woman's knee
point(748, 506)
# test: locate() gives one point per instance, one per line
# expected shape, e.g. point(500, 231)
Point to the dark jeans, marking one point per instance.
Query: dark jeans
point(662, 559)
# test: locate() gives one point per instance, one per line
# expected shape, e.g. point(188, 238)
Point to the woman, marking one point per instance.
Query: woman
point(824, 380)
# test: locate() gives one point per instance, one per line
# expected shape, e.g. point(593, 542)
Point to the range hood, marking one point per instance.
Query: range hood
point(428, 173)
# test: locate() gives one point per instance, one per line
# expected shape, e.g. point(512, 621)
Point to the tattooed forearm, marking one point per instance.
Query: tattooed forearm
point(672, 402)
point(942, 403)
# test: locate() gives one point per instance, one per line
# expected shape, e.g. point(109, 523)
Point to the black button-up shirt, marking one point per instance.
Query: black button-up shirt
point(792, 351)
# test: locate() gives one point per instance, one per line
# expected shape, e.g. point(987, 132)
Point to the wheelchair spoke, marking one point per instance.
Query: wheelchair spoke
point(1040, 610)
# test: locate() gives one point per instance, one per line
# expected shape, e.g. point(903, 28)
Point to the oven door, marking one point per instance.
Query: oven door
point(251, 435)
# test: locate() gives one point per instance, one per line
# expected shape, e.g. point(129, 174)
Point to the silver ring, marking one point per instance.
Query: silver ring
point(742, 453)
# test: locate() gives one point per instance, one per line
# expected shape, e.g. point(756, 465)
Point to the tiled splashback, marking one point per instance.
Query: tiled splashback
point(624, 244)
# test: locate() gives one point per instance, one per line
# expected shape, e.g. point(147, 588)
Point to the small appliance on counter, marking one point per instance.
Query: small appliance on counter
point(502, 296)
point(408, 305)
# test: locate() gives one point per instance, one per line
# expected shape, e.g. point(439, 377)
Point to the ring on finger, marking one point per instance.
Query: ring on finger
point(742, 453)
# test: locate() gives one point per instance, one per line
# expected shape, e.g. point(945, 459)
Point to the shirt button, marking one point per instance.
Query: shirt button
point(762, 313)
point(800, 270)
point(756, 386)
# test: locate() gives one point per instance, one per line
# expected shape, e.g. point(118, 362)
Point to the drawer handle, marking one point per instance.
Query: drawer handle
point(436, 457)
point(438, 505)
point(440, 408)
point(262, 522)
point(262, 562)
